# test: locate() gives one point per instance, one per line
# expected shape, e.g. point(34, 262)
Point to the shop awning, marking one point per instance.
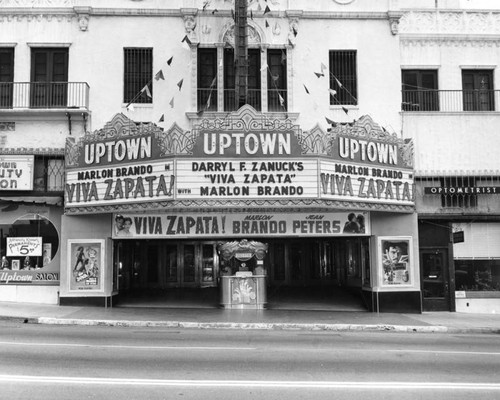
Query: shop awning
point(48, 200)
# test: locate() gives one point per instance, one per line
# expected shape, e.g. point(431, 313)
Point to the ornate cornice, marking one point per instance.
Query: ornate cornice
point(450, 22)
point(33, 151)
point(290, 205)
point(450, 40)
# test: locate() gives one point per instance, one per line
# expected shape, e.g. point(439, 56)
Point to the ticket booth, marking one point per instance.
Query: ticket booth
point(243, 274)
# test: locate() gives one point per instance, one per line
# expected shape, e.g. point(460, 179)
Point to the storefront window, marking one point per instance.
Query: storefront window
point(29, 256)
point(477, 275)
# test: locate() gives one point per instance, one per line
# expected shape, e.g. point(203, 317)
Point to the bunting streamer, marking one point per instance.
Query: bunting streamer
point(146, 89)
point(267, 24)
point(338, 82)
point(170, 60)
point(180, 84)
point(267, 10)
point(319, 74)
point(162, 118)
point(345, 110)
point(323, 67)
point(305, 87)
point(332, 92)
point(159, 75)
point(171, 103)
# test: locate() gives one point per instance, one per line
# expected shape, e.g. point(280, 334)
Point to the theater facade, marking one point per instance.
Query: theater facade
point(149, 209)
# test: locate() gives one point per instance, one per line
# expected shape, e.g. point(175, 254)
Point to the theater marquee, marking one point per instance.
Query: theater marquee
point(244, 157)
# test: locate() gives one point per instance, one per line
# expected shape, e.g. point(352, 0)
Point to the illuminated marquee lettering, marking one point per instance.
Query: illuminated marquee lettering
point(249, 143)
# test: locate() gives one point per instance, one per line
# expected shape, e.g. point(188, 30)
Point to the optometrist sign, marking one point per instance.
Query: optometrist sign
point(182, 225)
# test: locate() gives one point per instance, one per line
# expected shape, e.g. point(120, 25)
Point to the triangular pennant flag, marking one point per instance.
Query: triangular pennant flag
point(200, 113)
point(130, 107)
point(214, 81)
point(186, 39)
point(332, 92)
point(290, 42)
point(319, 74)
point(283, 57)
point(205, 4)
point(264, 67)
point(267, 10)
point(208, 101)
point(159, 75)
point(170, 60)
point(329, 121)
point(259, 8)
point(214, 11)
point(338, 82)
point(267, 24)
point(305, 87)
point(162, 118)
point(180, 84)
point(282, 101)
point(251, 15)
point(275, 77)
point(171, 103)
point(345, 110)
point(323, 67)
point(232, 14)
point(146, 89)
point(294, 32)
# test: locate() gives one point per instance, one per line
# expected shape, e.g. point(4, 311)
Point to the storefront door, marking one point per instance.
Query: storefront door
point(435, 280)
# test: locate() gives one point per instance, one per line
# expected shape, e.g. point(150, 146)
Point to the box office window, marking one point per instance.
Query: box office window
point(138, 72)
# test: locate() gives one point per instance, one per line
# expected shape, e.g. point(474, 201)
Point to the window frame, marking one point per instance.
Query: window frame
point(420, 96)
point(135, 80)
point(347, 91)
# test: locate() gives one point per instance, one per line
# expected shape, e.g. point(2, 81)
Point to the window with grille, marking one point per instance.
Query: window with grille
point(458, 192)
point(276, 80)
point(6, 76)
point(343, 77)
point(254, 82)
point(49, 174)
point(207, 79)
point(138, 72)
point(420, 90)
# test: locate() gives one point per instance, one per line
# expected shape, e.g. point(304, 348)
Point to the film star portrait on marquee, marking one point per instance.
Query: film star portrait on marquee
point(395, 262)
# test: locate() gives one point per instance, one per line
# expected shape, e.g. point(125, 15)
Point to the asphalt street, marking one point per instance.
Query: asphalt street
point(102, 362)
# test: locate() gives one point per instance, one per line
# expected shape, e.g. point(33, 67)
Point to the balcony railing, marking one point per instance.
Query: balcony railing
point(231, 102)
point(42, 95)
point(450, 100)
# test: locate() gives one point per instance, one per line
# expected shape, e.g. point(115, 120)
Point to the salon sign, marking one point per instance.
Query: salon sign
point(16, 172)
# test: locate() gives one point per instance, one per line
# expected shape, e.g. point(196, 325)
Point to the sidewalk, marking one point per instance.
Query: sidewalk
point(212, 318)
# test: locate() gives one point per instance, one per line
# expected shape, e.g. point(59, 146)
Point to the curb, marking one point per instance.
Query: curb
point(247, 326)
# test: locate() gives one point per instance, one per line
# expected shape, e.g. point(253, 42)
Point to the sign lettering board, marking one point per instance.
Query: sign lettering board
point(245, 156)
point(16, 172)
point(205, 225)
point(24, 246)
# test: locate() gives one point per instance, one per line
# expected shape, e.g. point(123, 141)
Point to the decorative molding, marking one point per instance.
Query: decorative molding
point(447, 41)
point(255, 34)
point(7, 126)
point(83, 15)
point(36, 3)
point(36, 151)
point(450, 22)
point(290, 205)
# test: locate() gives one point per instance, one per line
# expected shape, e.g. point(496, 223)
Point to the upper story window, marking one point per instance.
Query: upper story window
point(138, 72)
point(276, 80)
point(6, 76)
point(343, 77)
point(254, 81)
point(420, 90)
point(49, 77)
point(478, 90)
point(48, 174)
point(207, 79)
point(271, 82)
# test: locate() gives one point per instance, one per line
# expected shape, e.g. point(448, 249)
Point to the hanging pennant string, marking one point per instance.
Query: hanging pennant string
point(274, 78)
point(343, 87)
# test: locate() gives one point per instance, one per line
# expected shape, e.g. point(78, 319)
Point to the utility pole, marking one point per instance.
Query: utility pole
point(241, 51)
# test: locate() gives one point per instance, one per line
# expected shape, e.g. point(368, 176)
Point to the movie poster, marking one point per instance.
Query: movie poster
point(396, 261)
point(85, 261)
